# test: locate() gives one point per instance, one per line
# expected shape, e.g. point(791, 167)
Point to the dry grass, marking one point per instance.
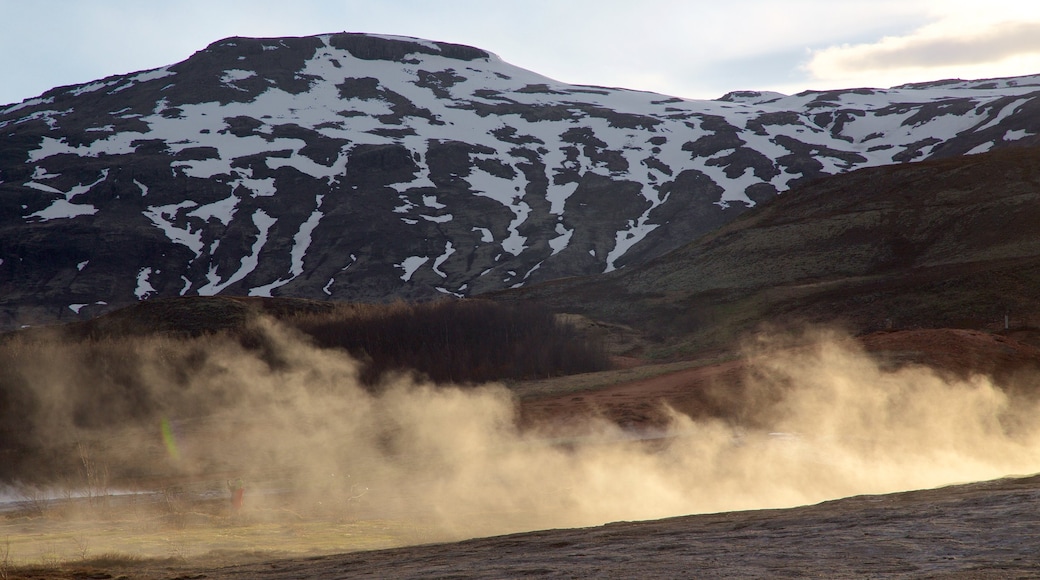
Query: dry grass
point(598, 380)
point(124, 539)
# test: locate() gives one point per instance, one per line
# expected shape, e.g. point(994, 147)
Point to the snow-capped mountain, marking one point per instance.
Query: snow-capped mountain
point(365, 167)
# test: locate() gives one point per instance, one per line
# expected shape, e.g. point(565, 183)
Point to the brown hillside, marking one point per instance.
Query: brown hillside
point(949, 243)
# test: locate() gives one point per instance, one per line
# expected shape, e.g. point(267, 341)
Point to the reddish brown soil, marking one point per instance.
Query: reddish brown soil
point(716, 390)
point(638, 403)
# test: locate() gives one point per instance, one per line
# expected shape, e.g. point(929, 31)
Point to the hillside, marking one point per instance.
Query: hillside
point(365, 167)
point(935, 244)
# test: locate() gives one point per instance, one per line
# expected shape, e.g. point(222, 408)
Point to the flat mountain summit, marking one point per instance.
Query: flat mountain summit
point(367, 167)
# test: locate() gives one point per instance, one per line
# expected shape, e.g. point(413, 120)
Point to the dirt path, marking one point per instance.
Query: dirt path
point(716, 390)
point(638, 403)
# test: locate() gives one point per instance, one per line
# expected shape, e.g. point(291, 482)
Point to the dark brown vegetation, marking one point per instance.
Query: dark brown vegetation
point(456, 341)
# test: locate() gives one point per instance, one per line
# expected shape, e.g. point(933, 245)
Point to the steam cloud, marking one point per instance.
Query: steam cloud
point(293, 418)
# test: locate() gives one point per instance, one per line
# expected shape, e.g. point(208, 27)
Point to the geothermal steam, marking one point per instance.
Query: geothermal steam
point(293, 422)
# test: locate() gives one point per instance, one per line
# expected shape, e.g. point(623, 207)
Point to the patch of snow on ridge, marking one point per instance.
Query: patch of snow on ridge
point(78, 307)
point(64, 208)
point(448, 251)
point(44, 188)
point(439, 219)
point(259, 187)
point(1016, 134)
point(505, 192)
point(144, 287)
point(234, 75)
point(515, 244)
point(222, 210)
point(263, 223)
point(984, 147)
point(626, 238)
point(1008, 110)
point(151, 75)
point(410, 265)
point(115, 144)
point(164, 215)
point(40, 173)
point(302, 239)
point(94, 86)
point(431, 202)
point(48, 117)
point(301, 243)
point(443, 290)
point(26, 104)
point(559, 243)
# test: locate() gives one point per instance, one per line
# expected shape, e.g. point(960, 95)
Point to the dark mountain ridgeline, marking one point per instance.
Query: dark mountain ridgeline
point(364, 167)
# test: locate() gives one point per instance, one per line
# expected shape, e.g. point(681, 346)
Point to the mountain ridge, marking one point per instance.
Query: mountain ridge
point(945, 243)
point(369, 167)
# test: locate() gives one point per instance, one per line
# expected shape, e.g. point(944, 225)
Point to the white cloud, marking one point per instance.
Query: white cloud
point(955, 45)
point(688, 48)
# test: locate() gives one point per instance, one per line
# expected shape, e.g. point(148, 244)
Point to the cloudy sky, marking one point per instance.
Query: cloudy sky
point(691, 48)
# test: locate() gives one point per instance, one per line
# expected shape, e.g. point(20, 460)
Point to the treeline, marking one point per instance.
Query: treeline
point(458, 341)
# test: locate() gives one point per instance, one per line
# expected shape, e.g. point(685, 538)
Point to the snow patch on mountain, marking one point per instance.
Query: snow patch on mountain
point(410, 265)
point(263, 223)
point(163, 217)
point(64, 208)
point(319, 164)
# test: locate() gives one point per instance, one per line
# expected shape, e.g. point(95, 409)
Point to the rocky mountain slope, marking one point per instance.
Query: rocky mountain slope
point(365, 167)
point(939, 244)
